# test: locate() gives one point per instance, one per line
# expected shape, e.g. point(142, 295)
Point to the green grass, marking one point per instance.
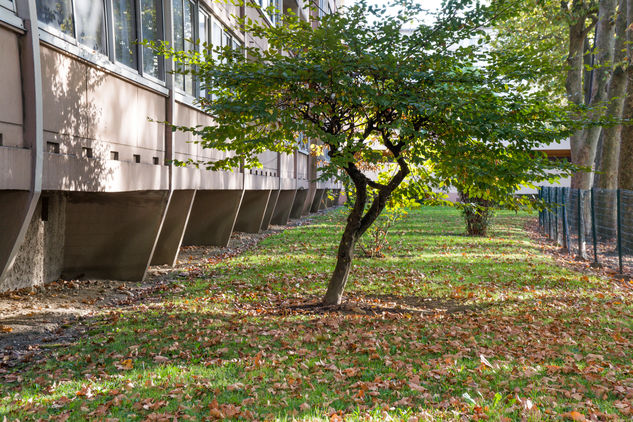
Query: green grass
point(409, 343)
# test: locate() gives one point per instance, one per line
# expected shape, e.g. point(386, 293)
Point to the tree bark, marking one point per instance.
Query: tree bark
point(610, 151)
point(625, 173)
point(359, 221)
point(583, 148)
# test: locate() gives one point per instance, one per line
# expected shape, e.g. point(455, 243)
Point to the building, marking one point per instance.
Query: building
point(86, 184)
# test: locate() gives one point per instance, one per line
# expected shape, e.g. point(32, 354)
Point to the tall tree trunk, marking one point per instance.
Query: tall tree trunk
point(583, 148)
point(610, 151)
point(575, 90)
point(625, 173)
point(607, 158)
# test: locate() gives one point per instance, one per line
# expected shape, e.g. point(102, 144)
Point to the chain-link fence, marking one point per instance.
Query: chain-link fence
point(594, 224)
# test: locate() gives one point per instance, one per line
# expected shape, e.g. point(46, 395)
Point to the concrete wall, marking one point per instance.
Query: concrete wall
point(41, 255)
point(111, 235)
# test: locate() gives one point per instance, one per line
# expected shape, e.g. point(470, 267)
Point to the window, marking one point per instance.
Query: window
point(184, 12)
point(86, 152)
point(125, 32)
point(155, 160)
point(266, 4)
point(131, 20)
point(151, 30)
point(137, 158)
point(114, 155)
point(90, 20)
point(322, 5)
point(58, 14)
point(303, 143)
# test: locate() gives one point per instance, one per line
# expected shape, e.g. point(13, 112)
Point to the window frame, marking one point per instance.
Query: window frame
point(107, 59)
point(8, 4)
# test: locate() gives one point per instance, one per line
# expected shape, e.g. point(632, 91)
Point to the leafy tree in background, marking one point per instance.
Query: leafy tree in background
point(419, 100)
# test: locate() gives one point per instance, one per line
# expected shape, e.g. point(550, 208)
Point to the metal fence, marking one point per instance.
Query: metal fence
point(594, 224)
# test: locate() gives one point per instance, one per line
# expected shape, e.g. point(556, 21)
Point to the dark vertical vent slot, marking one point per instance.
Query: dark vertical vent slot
point(44, 208)
point(155, 160)
point(1, 140)
point(114, 155)
point(137, 158)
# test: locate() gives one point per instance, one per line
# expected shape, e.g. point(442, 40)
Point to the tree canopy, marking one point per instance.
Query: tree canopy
point(377, 86)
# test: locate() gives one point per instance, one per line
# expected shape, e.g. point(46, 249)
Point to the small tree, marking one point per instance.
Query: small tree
point(369, 91)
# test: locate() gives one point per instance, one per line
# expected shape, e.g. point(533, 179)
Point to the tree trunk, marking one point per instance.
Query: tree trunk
point(338, 281)
point(359, 221)
point(625, 173)
point(583, 148)
point(607, 159)
point(610, 151)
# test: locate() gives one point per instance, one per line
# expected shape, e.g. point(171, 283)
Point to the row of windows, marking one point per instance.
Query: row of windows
point(113, 27)
point(192, 22)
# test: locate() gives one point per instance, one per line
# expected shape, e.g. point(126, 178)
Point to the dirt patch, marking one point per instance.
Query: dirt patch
point(57, 314)
point(567, 260)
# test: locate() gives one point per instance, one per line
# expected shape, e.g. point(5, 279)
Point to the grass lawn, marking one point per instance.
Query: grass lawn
point(446, 327)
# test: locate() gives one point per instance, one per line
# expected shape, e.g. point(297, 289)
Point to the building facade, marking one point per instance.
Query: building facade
point(87, 188)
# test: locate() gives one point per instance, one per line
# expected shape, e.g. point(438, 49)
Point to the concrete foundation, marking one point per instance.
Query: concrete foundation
point(40, 256)
point(286, 200)
point(173, 229)
point(252, 211)
point(111, 235)
point(299, 203)
point(213, 217)
point(270, 209)
point(316, 201)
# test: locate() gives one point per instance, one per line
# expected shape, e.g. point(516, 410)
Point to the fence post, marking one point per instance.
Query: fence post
point(593, 227)
point(581, 232)
point(549, 212)
point(619, 211)
point(565, 229)
point(540, 211)
point(556, 239)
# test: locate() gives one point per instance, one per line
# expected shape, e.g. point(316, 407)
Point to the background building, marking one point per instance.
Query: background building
point(86, 184)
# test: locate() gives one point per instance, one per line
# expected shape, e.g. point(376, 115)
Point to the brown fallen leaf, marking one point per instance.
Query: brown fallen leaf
point(574, 416)
point(160, 359)
point(6, 329)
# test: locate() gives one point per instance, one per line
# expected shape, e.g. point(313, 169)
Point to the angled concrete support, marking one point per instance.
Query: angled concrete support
point(286, 199)
point(299, 203)
point(307, 205)
point(252, 211)
point(316, 201)
point(213, 217)
point(324, 199)
point(20, 206)
point(111, 235)
point(270, 208)
point(329, 203)
point(173, 228)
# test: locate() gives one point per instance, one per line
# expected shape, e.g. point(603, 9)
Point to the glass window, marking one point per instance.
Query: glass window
point(322, 8)
point(190, 13)
point(58, 14)
point(89, 15)
point(179, 40)
point(152, 28)
point(204, 29)
point(125, 37)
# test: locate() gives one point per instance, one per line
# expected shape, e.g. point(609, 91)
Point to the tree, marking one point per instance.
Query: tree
point(371, 92)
